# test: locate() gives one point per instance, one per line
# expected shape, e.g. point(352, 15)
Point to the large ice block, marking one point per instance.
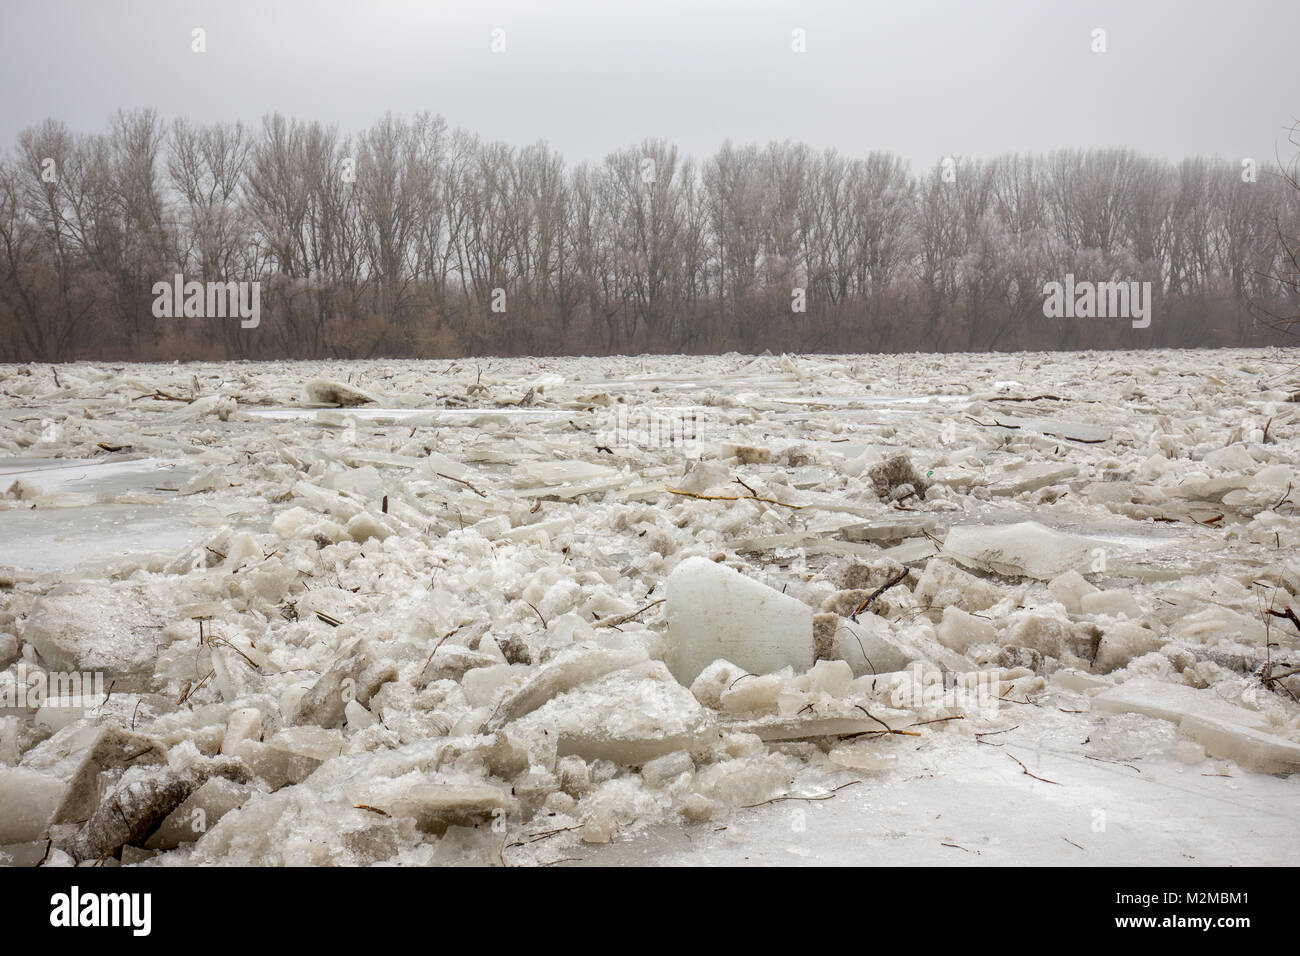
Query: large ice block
point(1026, 548)
point(715, 612)
point(1174, 702)
point(1249, 747)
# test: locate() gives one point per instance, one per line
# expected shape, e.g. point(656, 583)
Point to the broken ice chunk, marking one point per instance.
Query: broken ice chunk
point(358, 718)
point(942, 584)
point(1031, 477)
point(354, 675)
point(716, 612)
point(560, 472)
point(888, 529)
point(574, 774)
point(199, 811)
point(708, 687)
point(111, 749)
point(896, 478)
point(1274, 476)
point(1214, 624)
point(833, 678)
point(436, 806)
point(1232, 458)
point(323, 392)
point(29, 800)
point(870, 645)
point(1189, 752)
point(1121, 643)
point(1048, 634)
point(8, 649)
point(630, 716)
point(1113, 603)
point(315, 743)
point(745, 454)
point(1075, 431)
point(98, 629)
point(703, 475)
point(664, 770)
point(567, 670)
point(862, 756)
point(779, 727)
point(211, 480)
point(365, 526)
point(277, 766)
point(960, 631)
point(453, 662)
point(142, 800)
point(1027, 549)
point(1070, 588)
point(752, 692)
point(1250, 748)
point(482, 684)
point(242, 724)
point(1173, 702)
point(1079, 682)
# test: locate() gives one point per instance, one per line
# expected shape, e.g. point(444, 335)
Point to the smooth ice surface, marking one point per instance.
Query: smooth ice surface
point(1027, 548)
point(29, 800)
point(93, 509)
point(971, 806)
point(1174, 702)
point(716, 612)
point(1248, 747)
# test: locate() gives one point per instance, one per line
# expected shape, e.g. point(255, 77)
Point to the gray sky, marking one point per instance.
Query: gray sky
point(923, 78)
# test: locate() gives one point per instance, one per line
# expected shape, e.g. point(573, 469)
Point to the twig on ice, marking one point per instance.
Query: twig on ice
point(691, 494)
point(435, 649)
point(463, 482)
point(624, 618)
point(539, 615)
point(825, 796)
point(1025, 770)
point(876, 593)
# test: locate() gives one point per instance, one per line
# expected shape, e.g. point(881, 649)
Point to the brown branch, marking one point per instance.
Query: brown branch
point(691, 494)
point(624, 618)
point(463, 482)
point(539, 615)
point(1025, 770)
point(1289, 614)
point(876, 593)
point(435, 650)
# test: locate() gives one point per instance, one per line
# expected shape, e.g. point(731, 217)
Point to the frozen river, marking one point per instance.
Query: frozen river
point(488, 549)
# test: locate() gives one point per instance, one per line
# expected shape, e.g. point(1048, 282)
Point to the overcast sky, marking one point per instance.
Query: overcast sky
point(923, 78)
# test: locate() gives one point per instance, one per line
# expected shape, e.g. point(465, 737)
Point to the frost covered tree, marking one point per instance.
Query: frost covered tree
point(410, 238)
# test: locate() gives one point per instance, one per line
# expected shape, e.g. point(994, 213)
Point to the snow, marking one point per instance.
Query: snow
point(490, 604)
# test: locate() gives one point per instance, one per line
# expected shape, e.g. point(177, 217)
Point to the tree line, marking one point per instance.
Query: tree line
point(414, 239)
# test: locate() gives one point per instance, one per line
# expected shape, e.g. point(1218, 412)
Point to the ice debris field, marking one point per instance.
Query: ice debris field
point(964, 609)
